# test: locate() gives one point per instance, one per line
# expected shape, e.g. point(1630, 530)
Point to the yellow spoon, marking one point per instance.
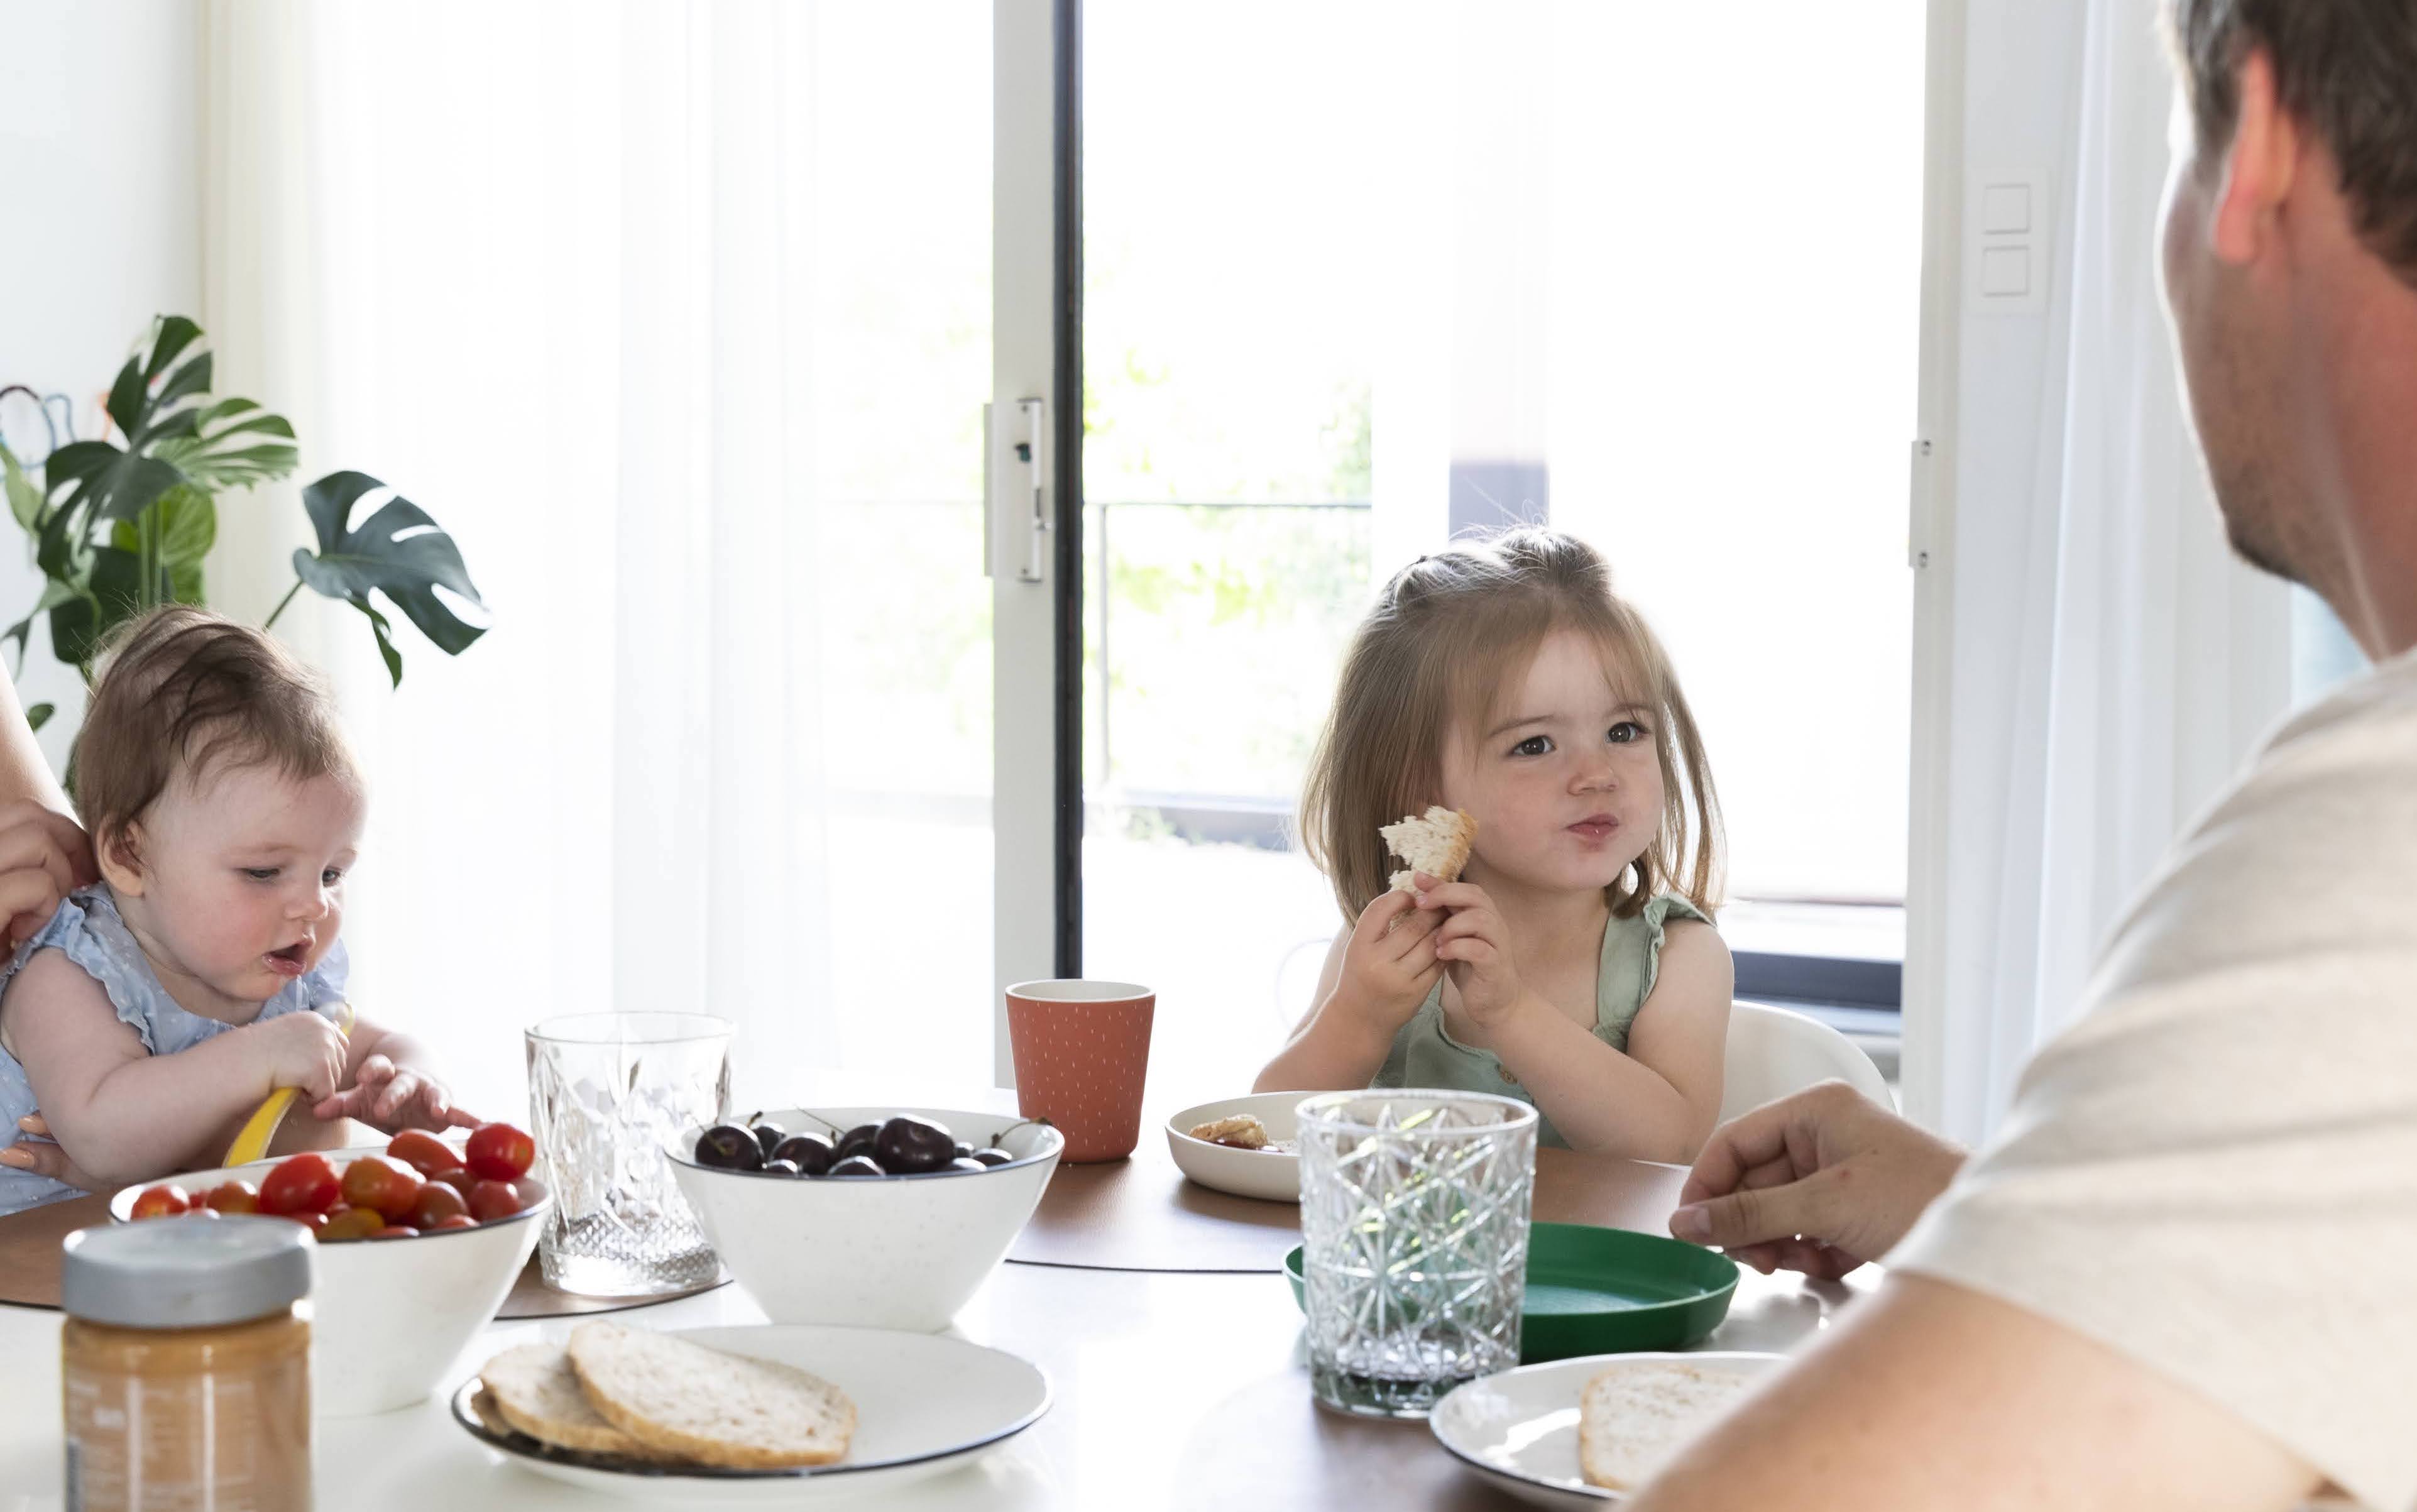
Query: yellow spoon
point(252, 1142)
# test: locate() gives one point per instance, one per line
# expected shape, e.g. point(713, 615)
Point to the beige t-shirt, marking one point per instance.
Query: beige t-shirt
point(2215, 1170)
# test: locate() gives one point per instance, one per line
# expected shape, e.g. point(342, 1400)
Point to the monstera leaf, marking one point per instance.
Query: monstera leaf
point(399, 552)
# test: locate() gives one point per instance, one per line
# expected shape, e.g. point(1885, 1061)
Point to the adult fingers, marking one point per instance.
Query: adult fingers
point(1744, 1142)
point(461, 1118)
point(1752, 1215)
point(29, 898)
point(41, 1160)
point(32, 847)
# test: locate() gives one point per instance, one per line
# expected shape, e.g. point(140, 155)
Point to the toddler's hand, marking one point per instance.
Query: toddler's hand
point(395, 1098)
point(1390, 966)
point(304, 1050)
point(1474, 946)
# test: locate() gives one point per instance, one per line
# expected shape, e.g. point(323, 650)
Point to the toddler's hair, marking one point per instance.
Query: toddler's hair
point(1448, 638)
point(183, 688)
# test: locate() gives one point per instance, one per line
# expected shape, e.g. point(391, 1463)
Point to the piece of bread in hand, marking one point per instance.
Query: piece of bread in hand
point(1633, 1416)
point(534, 1390)
point(717, 1408)
point(1436, 842)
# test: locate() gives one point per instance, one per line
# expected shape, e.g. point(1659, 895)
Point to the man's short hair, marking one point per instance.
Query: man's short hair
point(2348, 68)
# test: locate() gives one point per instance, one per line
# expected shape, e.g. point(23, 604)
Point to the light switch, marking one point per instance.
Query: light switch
point(2005, 209)
point(2005, 272)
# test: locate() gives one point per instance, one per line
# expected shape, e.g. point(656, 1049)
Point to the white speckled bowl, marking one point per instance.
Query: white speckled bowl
point(389, 1316)
point(868, 1251)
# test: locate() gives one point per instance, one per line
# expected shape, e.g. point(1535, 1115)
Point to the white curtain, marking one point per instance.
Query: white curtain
point(2131, 662)
point(544, 269)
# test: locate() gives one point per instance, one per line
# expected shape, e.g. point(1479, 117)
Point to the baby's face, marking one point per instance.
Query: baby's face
point(1565, 782)
point(243, 874)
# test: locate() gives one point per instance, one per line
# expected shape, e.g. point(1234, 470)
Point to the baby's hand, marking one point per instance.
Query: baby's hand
point(305, 1051)
point(1474, 946)
point(1389, 965)
point(395, 1098)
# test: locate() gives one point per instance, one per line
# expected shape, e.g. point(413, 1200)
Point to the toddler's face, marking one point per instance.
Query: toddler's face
point(1566, 782)
point(243, 874)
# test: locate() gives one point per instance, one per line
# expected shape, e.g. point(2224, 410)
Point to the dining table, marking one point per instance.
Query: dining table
point(1157, 1309)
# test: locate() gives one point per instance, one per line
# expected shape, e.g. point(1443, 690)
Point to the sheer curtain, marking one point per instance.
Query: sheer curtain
point(546, 268)
point(2145, 660)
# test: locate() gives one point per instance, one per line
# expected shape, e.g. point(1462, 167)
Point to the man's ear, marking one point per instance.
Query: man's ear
point(120, 855)
point(2258, 168)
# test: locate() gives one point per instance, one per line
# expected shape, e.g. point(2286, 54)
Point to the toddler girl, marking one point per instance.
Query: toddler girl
point(1574, 963)
point(159, 1006)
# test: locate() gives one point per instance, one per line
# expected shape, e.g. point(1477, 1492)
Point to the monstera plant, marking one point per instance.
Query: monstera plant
point(121, 528)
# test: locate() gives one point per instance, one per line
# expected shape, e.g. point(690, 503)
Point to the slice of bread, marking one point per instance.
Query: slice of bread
point(717, 1408)
point(535, 1391)
point(1633, 1416)
point(1243, 1131)
point(1436, 842)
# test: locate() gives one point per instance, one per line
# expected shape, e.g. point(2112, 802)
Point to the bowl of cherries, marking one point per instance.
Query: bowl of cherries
point(420, 1242)
point(871, 1218)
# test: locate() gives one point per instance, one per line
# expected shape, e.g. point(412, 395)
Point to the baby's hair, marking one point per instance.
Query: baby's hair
point(1450, 637)
point(184, 689)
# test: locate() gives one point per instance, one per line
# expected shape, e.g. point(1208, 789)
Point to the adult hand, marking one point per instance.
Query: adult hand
point(1819, 1182)
point(44, 855)
point(42, 1158)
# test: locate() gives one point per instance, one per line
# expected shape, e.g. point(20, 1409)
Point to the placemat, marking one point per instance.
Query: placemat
point(1141, 1215)
point(29, 1267)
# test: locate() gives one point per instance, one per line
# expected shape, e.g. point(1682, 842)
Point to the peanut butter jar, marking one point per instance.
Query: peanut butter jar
point(187, 1363)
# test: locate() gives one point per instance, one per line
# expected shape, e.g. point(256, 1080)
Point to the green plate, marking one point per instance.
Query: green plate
point(1602, 1290)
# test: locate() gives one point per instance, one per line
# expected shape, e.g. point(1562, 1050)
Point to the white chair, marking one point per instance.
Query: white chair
point(1773, 1052)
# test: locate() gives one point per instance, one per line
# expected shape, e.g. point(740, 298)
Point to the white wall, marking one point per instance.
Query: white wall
point(100, 129)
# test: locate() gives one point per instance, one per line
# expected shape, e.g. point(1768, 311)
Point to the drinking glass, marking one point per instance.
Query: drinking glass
point(1414, 1209)
point(607, 1093)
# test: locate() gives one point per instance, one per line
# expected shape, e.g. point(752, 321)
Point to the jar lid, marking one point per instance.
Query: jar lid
point(184, 1271)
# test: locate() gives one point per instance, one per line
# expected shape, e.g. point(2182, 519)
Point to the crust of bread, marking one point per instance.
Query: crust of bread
point(725, 1409)
point(535, 1392)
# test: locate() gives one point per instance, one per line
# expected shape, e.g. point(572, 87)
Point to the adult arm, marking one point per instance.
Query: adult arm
point(1928, 1395)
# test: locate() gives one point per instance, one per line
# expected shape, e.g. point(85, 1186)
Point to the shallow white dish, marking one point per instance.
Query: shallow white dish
point(1272, 1176)
point(870, 1251)
point(924, 1403)
point(388, 1316)
point(1519, 1429)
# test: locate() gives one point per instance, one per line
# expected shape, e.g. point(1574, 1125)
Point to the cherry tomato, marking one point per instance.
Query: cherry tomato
point(455, 1221)
point(303, 1183)
point(383, 1183)
point(423, 1152)
point(500, 1152)
point(352, 1223)
point(460, 1180)
point(436, 1201)
point(234, 1197)
point(396, 1231)
point(493, 1199)
point(315, 1222)
point(163, 1202)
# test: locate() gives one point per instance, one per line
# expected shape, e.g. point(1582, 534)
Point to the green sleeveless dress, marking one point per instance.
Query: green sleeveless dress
point(1423, 1055)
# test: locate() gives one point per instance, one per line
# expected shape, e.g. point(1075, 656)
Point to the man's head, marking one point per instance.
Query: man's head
point(2291, 211)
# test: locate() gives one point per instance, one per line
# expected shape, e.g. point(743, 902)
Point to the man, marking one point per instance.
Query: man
point(2185, 1276)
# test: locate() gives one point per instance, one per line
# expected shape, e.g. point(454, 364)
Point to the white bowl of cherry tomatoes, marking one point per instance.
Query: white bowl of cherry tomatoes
point(418, 1244)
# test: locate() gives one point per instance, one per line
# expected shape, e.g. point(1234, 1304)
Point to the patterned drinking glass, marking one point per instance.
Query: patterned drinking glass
point(1414, 1209)
point(607, 1093)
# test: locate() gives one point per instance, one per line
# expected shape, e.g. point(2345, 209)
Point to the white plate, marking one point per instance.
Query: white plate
point(1273, 1175)
point(924, 1403)
point(1519, 1429)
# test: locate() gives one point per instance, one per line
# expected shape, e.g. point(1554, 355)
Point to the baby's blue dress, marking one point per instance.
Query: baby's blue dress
point(87, 928)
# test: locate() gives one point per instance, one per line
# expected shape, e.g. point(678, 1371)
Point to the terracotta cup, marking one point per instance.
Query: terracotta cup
point(1082, 1049)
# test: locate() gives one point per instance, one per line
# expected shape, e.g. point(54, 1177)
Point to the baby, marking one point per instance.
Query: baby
point(159, 1008)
